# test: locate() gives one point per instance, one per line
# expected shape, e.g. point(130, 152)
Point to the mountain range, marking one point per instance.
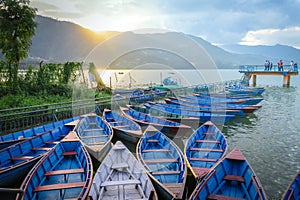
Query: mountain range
point(61, 41)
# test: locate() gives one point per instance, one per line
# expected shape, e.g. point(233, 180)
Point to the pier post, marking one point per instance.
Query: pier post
point(286, 80)
point(254, 80)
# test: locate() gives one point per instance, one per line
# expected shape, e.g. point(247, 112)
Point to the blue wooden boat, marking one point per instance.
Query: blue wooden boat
point(122, 126)
point(238, 89)
point(218, 100)
point(204, 148)
point(96, 135)
point(16, 160)
point(189, 121)
point(170, 128)
point(202, 116)
point(247, 100)
point(198, 108)
point(13, 138)
point(231, 178)
point(293, 190)
point(163, 162)
point(120, 176)
point(247, 109)
point(65, 172)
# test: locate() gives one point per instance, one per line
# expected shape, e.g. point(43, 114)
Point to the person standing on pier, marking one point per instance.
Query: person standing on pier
point(280, 66)
point(291, 65)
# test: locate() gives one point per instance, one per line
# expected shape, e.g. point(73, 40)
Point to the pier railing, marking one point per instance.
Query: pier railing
point(262, 68)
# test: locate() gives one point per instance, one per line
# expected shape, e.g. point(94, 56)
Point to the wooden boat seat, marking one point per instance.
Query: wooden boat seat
point(52, 142)
point(155, 150)
point(209, 150)
point(119, 165)
point(124, 182)
point(208, 133)
point(93, 129)
point(152, 140)
point(161, 160)
point(165, 172)
point(97, 143)
point(221, 197)
point(69, 153)
point(41, 148)
point(123, 126)
point(229, 177)
point(21, 158)
point(59, 186)
point(36, 134)
point(63, 172)
point(116, 122)
point(204, 159)
point(208, 141)
point(93, 136)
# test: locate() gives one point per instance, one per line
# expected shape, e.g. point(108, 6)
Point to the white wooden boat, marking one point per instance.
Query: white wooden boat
point(120, 176)
point(96, 135)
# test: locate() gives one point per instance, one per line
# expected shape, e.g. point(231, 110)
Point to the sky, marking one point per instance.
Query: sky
point(220, 22)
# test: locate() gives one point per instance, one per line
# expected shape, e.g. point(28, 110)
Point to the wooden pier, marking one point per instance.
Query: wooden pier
point(254, 71)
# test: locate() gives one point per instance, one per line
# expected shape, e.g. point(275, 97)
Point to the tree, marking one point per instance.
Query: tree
point(17, 26)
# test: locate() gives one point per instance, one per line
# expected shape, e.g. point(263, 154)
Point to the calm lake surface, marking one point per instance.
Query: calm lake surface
point(269, 138)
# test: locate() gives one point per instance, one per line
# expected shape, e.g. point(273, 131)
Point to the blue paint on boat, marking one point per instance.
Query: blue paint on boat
point(65, 172)
point(232, 177)
point(204, 148)
point(163, 161)
point(293, 190)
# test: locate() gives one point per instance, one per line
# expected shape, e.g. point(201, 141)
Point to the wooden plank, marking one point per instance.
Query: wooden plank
point(41, 149)
point(161, 160)
point(69, 153)
point(21, 157)
point(204, 159)
point(208, 141)
point(52, 142)
point(93, 136)
point(165, 172)
point(152, 140)
point(204, 149)
point(93, 129)
point(66, 171)
point(155, 150)
point(121, 126)
point(119, 165)
point(230, 177)
point(123, 182)
point(96, 143)
point(59, 186)
point(221, 197)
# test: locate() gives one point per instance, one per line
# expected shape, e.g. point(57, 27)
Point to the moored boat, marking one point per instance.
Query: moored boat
point(65, 172)
point(96, 135)
point(170, 128)
point(13, 138)
point(163, 162)
point(202, 116)
point(293, 190)
point(120, 176)
point(204, 148)
point(231, 178)
point(16, 160)
point(122, 126)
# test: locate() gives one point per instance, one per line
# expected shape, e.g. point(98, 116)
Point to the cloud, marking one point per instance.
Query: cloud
point(289, 36)
point(221, 22)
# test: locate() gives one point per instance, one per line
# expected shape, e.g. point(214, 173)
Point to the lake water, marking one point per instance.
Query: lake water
point(269, 138)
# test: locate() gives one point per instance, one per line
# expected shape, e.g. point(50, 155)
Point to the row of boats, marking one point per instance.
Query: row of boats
point(54, 160)
point(58, 157)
